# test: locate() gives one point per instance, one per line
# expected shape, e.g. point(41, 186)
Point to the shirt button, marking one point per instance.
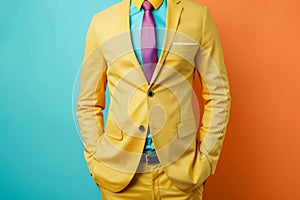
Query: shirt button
point(150, 94)
point(142, 128)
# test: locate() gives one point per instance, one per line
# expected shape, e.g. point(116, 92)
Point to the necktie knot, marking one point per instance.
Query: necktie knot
point(147, 5)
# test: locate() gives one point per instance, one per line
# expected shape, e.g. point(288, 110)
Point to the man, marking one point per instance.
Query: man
point(147, 53)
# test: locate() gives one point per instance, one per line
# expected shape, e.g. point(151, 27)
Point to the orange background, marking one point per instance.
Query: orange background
point(261, 155)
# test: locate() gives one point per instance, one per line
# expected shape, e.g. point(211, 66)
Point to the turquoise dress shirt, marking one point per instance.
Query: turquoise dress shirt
point(136, 19)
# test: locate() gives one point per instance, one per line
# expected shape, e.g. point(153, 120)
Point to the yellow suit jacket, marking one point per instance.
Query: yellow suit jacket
point(188, 152)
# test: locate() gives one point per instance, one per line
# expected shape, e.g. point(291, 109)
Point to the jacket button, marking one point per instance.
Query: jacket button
point(150, 94)
point(142, 128)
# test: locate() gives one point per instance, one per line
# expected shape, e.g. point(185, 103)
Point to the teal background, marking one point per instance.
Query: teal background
point(41, 52)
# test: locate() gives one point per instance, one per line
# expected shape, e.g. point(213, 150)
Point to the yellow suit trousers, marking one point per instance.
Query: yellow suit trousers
point(151, 184)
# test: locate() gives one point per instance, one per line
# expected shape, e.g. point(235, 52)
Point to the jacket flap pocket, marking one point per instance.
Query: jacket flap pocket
point(186, 127)
point(113, 130)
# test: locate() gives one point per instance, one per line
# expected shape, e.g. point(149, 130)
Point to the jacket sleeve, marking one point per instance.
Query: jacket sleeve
point(91, 100)
point(209, 63)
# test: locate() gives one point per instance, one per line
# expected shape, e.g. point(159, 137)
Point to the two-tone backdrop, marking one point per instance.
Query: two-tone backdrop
point(41, 48)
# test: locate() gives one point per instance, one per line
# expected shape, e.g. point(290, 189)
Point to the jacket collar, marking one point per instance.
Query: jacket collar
point(155, 3)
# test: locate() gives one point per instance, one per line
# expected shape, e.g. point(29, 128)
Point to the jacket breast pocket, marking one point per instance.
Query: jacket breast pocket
point(185, 50)
point(186, 128)
point(113, 131)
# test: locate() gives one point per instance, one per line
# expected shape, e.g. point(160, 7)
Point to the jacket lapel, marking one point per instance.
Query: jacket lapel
point(123, 17)
point(173, 14)
point(172, 19)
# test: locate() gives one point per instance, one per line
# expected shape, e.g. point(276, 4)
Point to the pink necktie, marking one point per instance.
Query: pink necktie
point(148, 41)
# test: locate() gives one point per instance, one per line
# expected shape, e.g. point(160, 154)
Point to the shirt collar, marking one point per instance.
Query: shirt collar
point(155, 3)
